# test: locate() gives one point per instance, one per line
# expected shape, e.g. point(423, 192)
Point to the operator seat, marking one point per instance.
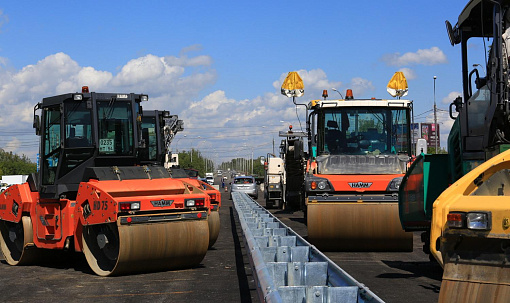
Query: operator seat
point(334, 137)
point(74, 141)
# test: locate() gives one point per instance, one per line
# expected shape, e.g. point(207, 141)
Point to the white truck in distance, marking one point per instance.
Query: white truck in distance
point(209, 177)
point(274, 181)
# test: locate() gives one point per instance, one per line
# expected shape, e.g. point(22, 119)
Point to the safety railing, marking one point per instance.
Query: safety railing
point(287, 268)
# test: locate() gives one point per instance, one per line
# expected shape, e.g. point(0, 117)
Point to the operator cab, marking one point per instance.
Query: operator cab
point(483, 108)
point(83, 130)
point(358, 136)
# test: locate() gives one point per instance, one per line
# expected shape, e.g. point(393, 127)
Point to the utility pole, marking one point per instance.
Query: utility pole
point(435, 114)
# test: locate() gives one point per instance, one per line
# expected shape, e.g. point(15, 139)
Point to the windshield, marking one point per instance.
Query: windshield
point(116, 129)
point(243, 181)
point(363, 131)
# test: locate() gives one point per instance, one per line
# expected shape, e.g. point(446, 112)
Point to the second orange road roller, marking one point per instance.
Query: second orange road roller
point(159, 129)
point(91, 195)
point(358, 152)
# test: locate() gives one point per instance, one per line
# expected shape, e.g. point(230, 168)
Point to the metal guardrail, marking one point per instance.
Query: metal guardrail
point(286, 267)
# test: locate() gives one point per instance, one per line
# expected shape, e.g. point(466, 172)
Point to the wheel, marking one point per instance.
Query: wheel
point(16, 242)
point(269, 204)
point(101, 247)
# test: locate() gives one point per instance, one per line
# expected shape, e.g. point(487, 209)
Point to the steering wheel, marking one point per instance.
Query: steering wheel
point(356, 138)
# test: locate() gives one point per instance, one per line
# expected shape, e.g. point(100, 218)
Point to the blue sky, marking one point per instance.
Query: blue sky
point(219, 64)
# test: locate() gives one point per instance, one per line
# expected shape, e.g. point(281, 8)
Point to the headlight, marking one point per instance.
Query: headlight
point(194, 202)
point(318, 184)
point(479, 221)
point(277, 186)
point(128, 206)
point(471, 220)
point(394, 184)
point(321, 184)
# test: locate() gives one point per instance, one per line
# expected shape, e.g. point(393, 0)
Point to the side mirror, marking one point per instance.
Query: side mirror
point(262, 160)
point(37, 125)
point(453, 33)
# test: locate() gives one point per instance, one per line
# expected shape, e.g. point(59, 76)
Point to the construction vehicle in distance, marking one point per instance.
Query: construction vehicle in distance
point(460, 199)
point(274, 181)
point(159, 129)
point(91, 194)
point(358, 152)
point(294, 158)
point(215, 201)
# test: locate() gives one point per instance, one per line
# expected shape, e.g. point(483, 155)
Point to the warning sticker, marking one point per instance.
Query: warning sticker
point(105, 145)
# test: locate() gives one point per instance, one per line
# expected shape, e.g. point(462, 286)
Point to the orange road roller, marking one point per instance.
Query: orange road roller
point(90, 193)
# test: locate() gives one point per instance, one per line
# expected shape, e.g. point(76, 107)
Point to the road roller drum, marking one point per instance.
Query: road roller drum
point(214, 227)
point(357, 227)
point(113, 249)
point(16, 242)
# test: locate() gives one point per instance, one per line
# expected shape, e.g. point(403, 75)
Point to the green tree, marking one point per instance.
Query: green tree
point(13, 164)
point(432, 150)
point(194, 159)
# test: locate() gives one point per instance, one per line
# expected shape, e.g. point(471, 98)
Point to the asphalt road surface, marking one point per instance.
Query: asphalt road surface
point(393, 276)
point(223, 276)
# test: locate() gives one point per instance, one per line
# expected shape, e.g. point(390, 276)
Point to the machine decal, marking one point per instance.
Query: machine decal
point(100, 205)
point(162, 203)
point(360, 184)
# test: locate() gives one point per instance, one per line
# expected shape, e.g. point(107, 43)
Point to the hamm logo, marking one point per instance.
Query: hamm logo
point(360, 184)
point(162, 203)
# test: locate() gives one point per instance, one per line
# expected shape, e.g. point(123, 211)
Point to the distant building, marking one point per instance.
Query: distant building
point(427, 131)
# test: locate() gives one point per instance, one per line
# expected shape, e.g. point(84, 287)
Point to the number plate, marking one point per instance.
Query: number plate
point(105, 145)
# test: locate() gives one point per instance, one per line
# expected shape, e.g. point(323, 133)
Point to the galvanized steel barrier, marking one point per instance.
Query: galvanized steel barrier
point(286, 268)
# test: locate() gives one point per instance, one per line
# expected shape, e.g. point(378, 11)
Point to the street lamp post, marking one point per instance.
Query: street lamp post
point(177, 143)
point(435, 114)
point(334, 89)
point(191, 147)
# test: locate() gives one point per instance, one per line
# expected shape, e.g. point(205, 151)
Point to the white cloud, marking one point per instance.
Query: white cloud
point(451, 96)
point(12, 145)
point(191, 48)
point(408, 73)
point(185, 61)
point(431, 56)
point(222, 123)
point(170, 87)
point(360, 87)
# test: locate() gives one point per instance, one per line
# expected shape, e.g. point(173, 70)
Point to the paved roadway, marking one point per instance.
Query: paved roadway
point(393, 276)
point(223, 276)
